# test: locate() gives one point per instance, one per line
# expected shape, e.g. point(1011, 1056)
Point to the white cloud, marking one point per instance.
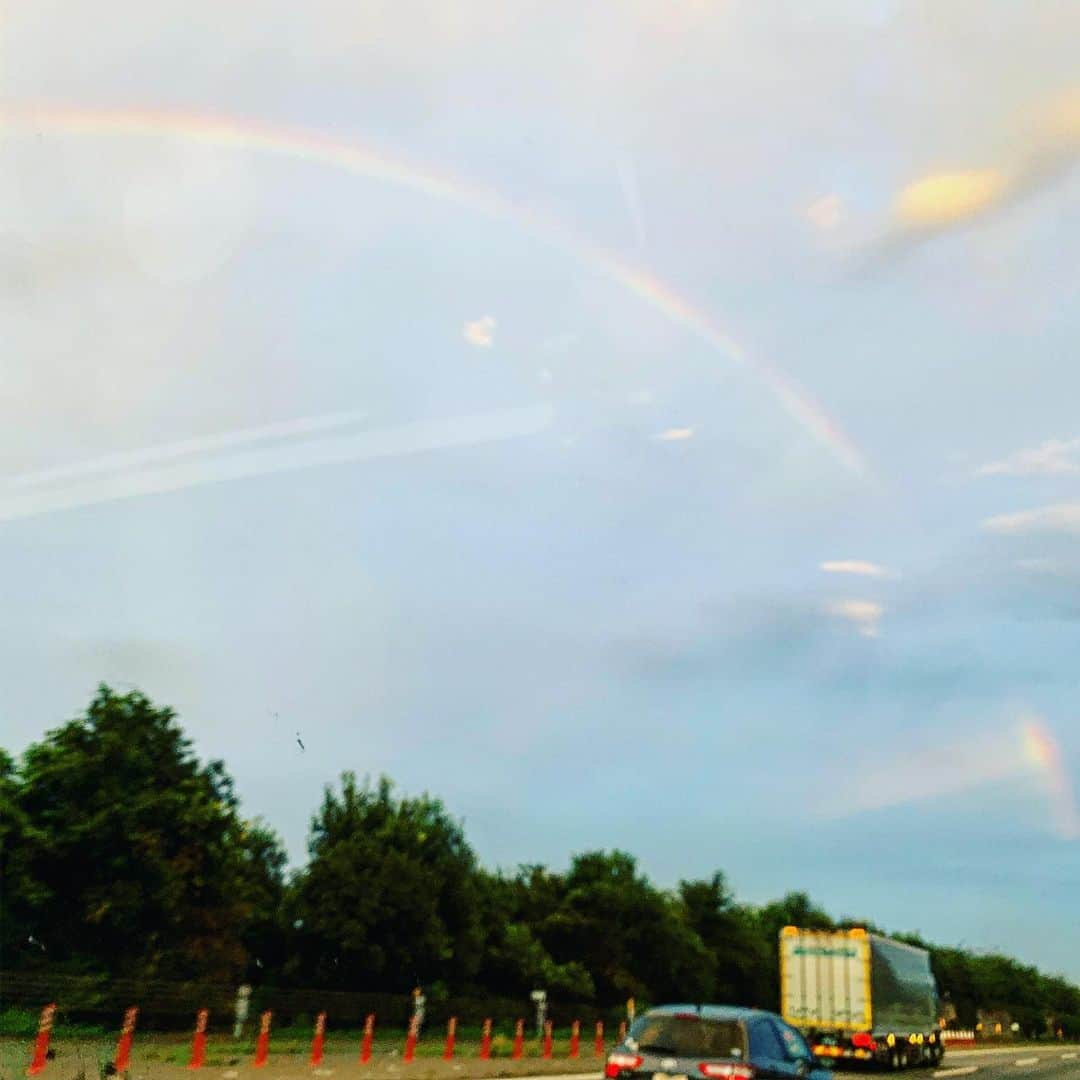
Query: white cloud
point(480, 332)
point(853, 566)
point(865, 614)
point(1049, 458)
point(675, 434)
point(827, 212)
point(1058, 517)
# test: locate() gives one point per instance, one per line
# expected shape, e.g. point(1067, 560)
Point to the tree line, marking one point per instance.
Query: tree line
point(123, 855)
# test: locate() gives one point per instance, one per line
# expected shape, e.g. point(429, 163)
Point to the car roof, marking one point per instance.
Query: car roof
point(709, 1012)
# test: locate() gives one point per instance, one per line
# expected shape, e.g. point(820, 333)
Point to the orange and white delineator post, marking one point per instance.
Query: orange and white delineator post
point(262, 1045)
point(41, 1043)
point(368, 1039)
point(127, 1035)
point(317, 1040)
point(198, 1042)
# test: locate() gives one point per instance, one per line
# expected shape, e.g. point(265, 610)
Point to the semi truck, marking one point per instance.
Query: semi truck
point(860, 996)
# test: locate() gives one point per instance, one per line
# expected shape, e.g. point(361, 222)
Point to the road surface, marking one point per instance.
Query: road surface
point(1015, 1063)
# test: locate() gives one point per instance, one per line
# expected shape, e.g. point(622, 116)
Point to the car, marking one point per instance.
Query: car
point(714, 1042)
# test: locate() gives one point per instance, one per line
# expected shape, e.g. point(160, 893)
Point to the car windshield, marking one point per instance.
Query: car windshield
point(689, 1036)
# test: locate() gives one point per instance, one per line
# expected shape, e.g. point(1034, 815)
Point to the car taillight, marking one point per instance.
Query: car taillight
point(617, 1063)
point(726, 1071)
point(863, 1040)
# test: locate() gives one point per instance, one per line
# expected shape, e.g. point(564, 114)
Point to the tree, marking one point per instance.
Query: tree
point(134, 847)
point(740, 954)
point(389, 897)
point(19, 893)
point(631, 937)
point(262, 885)
point(515, 962)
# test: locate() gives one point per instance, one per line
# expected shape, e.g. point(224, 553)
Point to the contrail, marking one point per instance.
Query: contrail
point(632, 198)
point(369, 163)
point(158, 469)
point(188, 447)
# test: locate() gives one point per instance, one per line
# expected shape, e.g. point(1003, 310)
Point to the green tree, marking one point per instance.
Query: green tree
point(514, 960)
point(262, 885)
point(134, 847)
point(631, 937)
point(390, 895)
point(738, 950)
point(19, 893)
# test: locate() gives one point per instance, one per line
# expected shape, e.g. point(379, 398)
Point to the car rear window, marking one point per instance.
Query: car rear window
point(689, 1036)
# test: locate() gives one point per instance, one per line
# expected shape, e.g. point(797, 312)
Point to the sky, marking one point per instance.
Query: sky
point(646, 425)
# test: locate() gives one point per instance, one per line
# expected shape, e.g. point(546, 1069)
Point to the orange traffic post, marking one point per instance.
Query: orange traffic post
point(368, 1039)
point(548, 1041)
point(317, 1040)
point(622, 1032)
point(598, 1043)
point(519, 1040)
point(575, 1039)
point(127, 1034)
point(451, 1039)
point(485, 1041)
point(410, 1039)
point(262, 1044)
point(41, 1043)
point(198, 1043)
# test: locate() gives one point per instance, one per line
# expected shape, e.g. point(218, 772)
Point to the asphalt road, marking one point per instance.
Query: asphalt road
point(1044, 1063)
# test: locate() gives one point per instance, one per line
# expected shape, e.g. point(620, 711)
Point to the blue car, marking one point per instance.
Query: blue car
point(714, 1042)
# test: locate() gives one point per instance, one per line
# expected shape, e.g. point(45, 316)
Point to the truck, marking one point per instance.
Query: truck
point(860, 996)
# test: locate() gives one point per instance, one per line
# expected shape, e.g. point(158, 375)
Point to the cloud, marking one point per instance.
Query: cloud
point(826, 213)
point(865, 614)
point(853, 566)
point(480, 332)
point(675, 434)
point(945, 198)
point(1055, 456)
point(1056, 518)
point(1046, 149)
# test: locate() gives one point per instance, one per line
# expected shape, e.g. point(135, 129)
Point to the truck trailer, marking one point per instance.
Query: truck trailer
point(861, 997)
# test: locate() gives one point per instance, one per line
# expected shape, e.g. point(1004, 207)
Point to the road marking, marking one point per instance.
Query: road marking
point(967, 1070)
point(1068, 1057)
point(1027, 1061)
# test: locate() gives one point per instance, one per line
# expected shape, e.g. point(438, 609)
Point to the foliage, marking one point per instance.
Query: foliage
point(133, 855)
point(389, 897)
point(123, 856)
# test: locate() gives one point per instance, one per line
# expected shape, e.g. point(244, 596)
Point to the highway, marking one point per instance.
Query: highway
point(1005, 1063)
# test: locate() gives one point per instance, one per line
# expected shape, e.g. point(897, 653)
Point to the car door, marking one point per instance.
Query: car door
point(799, 1055)
point(767, 1053)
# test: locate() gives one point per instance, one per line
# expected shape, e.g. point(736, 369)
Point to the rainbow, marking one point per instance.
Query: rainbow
point(352, 158)
point(1042, 751)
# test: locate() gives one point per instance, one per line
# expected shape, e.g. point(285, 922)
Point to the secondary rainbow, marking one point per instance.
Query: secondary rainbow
point(351, 157)
point(1042, 750)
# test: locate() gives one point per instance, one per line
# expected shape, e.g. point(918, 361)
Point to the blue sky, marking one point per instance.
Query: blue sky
point(537, 545)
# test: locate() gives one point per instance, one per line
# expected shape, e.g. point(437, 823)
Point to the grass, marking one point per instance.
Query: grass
point(93, 1042)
